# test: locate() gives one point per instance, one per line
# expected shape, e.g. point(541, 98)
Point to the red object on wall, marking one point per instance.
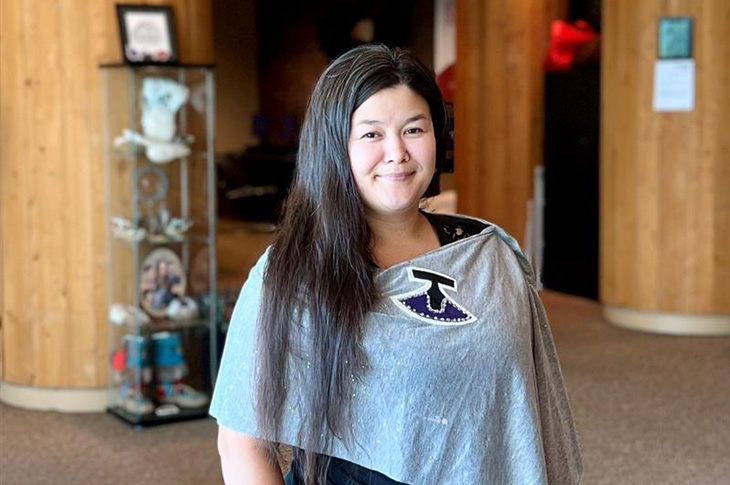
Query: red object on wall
point(565, 42)
point(447, 83)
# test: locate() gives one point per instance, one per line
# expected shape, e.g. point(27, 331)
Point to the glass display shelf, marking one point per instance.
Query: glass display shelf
point(191, 238)
point(160, 193)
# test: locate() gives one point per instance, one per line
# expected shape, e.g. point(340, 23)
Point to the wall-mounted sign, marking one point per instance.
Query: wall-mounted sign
point(674, 85)
point(674, 38)
point(147, 33)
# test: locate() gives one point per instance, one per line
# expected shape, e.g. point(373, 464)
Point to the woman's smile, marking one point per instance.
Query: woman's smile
point(397, 177)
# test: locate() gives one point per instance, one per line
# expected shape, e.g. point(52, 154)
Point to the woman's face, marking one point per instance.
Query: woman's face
point(392, 150)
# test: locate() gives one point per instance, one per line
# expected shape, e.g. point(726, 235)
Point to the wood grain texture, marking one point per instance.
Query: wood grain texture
point(665, 177)
point(53, 239)
point(499, 105)
point(236, 74)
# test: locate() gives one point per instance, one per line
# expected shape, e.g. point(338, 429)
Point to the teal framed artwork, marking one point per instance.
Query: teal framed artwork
point(674, 39)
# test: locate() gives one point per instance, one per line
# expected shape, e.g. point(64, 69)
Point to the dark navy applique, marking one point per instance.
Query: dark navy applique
point(430, 303)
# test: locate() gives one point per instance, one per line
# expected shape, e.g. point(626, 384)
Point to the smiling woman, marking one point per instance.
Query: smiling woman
point(392, 150)
point(385, 344)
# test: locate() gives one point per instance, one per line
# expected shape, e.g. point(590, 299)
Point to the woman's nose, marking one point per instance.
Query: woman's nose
point(396, 150)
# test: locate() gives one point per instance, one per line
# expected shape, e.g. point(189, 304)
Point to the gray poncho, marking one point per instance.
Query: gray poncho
point(464, 384)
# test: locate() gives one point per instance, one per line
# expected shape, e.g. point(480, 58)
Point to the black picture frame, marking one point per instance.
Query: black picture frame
point(674, 38)
point(147, 34)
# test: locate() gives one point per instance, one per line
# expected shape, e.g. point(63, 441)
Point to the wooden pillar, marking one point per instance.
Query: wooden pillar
point(499, 105)
point(665, 176)
point(53, 306)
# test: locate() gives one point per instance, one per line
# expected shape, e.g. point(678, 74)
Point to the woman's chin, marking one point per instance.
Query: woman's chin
point(396, 207)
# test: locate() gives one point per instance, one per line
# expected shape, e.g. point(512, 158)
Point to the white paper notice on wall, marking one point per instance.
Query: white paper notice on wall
point(674, 85)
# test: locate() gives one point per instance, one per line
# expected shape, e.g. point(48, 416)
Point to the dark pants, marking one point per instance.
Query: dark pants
point(340, 472)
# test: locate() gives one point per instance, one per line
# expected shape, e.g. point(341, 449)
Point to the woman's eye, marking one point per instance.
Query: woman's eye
point(370, 135)
point(413, 131)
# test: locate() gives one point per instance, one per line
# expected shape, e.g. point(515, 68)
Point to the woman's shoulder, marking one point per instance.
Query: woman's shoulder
point(455, 227)
point(259, 268)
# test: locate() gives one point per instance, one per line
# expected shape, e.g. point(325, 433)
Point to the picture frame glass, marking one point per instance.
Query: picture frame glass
point(147, 34)
point(675, 38)
point(162, 279)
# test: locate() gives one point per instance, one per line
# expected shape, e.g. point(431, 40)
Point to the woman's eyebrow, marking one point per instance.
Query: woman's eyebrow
point(416, 118)
point(368, 122)
point(377, 122)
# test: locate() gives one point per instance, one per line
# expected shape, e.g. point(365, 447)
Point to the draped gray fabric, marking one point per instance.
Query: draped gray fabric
point(474, 396)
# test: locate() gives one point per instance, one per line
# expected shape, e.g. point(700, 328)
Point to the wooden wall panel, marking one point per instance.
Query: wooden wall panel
point(499, 105)
point(53, 247)
point(236, 75)
point(665, 177)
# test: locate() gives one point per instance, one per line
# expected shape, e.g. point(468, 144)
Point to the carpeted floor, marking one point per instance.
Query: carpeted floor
point(649, 409)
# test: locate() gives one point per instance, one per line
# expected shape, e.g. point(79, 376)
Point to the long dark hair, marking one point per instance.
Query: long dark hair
point(320, 263)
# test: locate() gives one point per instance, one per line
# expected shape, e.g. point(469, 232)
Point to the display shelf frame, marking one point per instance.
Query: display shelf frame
point(201, 238)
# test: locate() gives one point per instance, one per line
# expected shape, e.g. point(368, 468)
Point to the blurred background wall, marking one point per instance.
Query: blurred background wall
point(52, 195)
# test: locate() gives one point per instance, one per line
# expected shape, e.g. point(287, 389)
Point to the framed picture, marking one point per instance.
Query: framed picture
point(162, 280)
point(674, 38)
point(147, 34)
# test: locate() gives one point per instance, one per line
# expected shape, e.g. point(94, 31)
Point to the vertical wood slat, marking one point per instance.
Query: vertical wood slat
point(498, 106)
point(665, 208)
point(468, 78)
point(646, 279)
point(12, 116)
point(52, 198)
point(719, 20)
point(47, 139)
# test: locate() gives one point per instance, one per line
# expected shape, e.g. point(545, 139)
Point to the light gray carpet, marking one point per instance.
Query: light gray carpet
point(649, 409)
